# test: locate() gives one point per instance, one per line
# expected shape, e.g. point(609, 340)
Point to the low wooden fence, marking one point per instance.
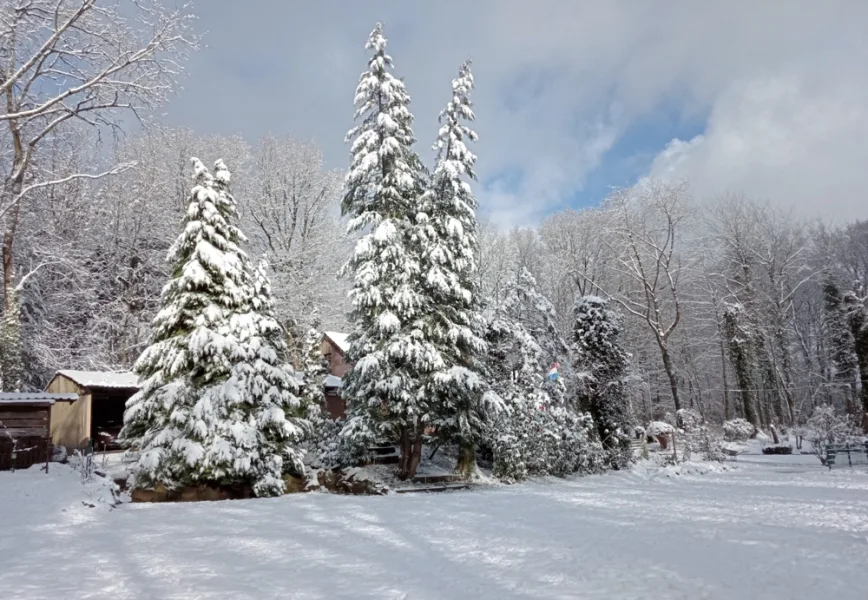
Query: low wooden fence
point(23, 452)
point(847, 455)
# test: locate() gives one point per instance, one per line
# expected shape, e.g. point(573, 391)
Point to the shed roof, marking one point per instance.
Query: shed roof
point(332, 381)
point(103, 379)
point(340, 340)
point(34, 397)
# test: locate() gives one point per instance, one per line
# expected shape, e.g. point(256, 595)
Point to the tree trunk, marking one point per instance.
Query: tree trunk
point(786, 373)
point(406, 449)
point(670, 372)
point(411, 449)
point(466, 465)
point(12, 216)
point(416, 454)
point(726, 415)
point(11, 368)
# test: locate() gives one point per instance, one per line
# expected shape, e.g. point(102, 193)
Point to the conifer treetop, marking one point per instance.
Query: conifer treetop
point(384, 176)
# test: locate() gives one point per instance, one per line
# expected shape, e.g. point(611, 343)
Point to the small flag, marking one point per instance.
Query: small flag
point(552, 375)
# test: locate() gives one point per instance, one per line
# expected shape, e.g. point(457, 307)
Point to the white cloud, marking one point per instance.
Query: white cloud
point(797, 140)
point(558, 82)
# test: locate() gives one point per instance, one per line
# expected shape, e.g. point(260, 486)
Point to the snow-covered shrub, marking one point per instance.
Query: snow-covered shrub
point(537, 441)
point(825, 427)
point(738, 430)
point(704, 443)
point(658, 428)
point(336, 443)
point(688, 420)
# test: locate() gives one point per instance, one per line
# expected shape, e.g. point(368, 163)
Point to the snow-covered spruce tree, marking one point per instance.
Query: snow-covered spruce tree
point(602, 365)
point(215, 392)
point(532, 435)
point(383, 186)
point(314, 367)
point(513, 364)
point(11, 363)
point(446, 233)
point(537, 314)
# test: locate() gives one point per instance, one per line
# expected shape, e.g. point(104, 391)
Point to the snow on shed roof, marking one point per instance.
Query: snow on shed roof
point(340, 340)
point(103, 379)
point(34, 397)
point(332, 381)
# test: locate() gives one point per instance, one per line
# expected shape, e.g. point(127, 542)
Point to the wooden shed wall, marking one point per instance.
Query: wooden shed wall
point(337, 366)
point(70, 421)
point(24, 435)
point(24, 420)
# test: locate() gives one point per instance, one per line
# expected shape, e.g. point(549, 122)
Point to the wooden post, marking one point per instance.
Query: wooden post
point(674, 448)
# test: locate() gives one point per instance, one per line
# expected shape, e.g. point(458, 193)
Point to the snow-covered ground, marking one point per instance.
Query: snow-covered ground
point(780, 527)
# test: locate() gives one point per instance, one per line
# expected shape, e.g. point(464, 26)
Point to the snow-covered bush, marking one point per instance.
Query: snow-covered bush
point(658, 428)
point(540, 440)
point(688, 420)
point(738, 430)
point(703, 442)
point(825, 427)
point(336, 443)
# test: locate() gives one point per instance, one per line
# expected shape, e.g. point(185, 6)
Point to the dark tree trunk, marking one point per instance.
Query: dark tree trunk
point(670, 373)
point(466, 465)
point(726, 415)
point(411, 449)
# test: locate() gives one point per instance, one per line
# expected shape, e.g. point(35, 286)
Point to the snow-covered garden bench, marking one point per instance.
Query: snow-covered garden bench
point(854, 453)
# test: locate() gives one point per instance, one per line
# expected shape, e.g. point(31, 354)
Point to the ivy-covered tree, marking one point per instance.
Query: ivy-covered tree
point(383, 186)
point(217, 403)
point(601, 365)
point(856, 311)
point(741, 354)
point(841, 343)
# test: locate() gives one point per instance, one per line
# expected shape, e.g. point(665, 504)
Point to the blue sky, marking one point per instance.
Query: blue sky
point(573, 98)
point(633, 152)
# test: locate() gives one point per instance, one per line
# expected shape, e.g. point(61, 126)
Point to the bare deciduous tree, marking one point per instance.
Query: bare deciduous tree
point(69, 65)
point(643, 236)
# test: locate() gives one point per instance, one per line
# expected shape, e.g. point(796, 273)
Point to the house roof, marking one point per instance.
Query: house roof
point(103, 379)
point(340, 340)
point(34, 397)
point(332, 381)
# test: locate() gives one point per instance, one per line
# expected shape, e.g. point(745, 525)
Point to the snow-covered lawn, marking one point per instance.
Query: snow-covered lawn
point(771, 529)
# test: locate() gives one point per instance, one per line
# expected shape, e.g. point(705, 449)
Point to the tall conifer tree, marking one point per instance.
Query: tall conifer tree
point(383, 187)
point(216, 404)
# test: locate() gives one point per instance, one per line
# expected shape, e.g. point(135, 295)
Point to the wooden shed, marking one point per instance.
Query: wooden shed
point(334, 349)
point(97, 413)
point(25, 428)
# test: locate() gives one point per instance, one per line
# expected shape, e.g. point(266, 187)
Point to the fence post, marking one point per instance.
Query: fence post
point(849, 460)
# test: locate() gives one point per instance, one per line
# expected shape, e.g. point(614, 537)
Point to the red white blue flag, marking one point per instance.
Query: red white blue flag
point(552, 375)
